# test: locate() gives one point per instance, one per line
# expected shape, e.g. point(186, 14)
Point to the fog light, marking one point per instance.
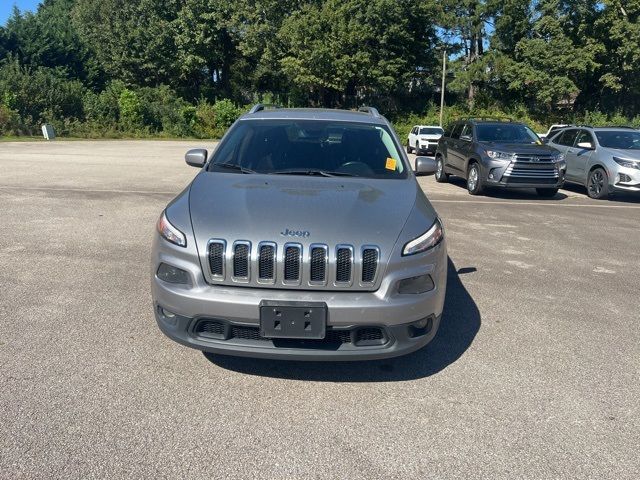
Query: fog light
point(413, 285)
point(421, 327)
point(167, 313)
point(171, 274)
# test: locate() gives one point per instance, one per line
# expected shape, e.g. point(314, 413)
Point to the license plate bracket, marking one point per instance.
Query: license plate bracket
point(301, 320)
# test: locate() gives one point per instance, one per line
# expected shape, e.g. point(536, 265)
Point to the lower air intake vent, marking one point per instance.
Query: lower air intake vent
point(216, 258)
point(292, 263)
point(210, 328)
point(369, 264)
point(241, 260)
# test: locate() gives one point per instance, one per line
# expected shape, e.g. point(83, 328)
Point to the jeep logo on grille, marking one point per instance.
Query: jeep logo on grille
point(295, 233)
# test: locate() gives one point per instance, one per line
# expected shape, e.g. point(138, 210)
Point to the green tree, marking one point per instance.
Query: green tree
point(133, 40)
point(356, 49)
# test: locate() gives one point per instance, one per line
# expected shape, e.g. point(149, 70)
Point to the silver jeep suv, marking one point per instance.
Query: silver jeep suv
point(304, 236)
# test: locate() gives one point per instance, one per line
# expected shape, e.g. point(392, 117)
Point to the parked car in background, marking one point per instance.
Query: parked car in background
point(553, 129)
point(603, 159)
point(423, 139)
point(495, 153)
point(304, 236)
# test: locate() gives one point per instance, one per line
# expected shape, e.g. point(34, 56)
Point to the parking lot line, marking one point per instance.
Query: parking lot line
point(85, 190)
point(633, 207)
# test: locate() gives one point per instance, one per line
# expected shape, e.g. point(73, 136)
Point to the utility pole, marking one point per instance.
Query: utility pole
point(444, 73)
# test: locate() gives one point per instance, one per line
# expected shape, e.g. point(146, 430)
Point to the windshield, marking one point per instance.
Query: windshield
point(309, 147)
point(506, 133)
point(431, 131)
point(622, 139)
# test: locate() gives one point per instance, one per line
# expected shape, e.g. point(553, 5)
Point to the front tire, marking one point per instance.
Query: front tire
point(441, 175)
point(598, 184)
point(409, 149)
point(547, 192)
point(474, 181)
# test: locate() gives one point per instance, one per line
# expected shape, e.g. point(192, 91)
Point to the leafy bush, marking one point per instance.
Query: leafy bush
point(40, 95)
point(9, 121)
point(130, 110)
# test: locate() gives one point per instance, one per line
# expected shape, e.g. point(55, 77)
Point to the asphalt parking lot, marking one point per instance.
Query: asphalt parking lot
point(535, 372)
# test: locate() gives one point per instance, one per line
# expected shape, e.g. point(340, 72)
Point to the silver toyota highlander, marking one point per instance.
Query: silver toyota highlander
point(305, 235)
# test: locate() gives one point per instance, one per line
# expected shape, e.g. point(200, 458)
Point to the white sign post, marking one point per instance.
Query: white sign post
point(48, 132)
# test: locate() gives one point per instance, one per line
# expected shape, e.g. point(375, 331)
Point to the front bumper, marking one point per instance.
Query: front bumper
point(340, 343)
point(626, 179)
point(428, 147)
point(495, 175)
point(239, 306)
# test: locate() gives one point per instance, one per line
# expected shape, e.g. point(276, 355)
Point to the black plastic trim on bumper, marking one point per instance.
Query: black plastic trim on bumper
point(400, 341)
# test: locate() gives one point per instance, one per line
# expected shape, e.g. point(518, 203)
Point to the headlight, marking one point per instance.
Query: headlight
point(559, 158)
point(627, 163)
point(426, 241)
point(169, 232)
point(501, 155)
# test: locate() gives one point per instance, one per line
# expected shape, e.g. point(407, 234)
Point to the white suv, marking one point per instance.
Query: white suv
point(424, 139)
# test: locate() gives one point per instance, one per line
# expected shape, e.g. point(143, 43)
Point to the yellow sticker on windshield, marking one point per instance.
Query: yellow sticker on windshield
point(391, 164)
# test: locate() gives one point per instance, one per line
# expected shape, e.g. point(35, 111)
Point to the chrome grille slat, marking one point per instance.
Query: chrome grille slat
point(266, 262)
point(370, 257)
point(318, 264)
point(292, 261)
point(344, 263)
point(216, 256)
point(241, 260)
point(531, 170)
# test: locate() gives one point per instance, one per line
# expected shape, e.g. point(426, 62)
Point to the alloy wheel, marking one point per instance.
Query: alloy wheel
point(473, 178)
point(596, 183)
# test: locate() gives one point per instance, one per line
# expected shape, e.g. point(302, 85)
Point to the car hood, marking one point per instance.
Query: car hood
point(331, 211)
point(624, 153)
point(523, 148)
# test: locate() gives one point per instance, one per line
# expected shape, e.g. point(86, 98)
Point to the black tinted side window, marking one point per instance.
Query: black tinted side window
point(457, 129)
point(567, 137)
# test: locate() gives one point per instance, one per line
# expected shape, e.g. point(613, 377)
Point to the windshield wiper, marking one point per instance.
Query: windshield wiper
point(311, 171)
point(233, 166)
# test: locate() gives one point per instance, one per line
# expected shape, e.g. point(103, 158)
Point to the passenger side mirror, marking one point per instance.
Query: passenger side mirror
point(196, 157)
point(466, 138)
point(426, 165)
point(586, 146)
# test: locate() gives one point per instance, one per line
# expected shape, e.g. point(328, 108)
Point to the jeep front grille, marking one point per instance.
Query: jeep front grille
point(292, 265)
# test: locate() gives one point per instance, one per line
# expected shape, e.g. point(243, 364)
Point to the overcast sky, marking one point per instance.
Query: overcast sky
point(7, 5)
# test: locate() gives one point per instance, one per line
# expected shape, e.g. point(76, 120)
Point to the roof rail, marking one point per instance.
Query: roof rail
point(499, 119)
point(258, 107)
point(370, 110)
point(618, 126)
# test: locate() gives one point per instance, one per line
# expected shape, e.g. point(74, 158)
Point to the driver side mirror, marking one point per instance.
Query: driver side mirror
point(586, 146)
point(196, 157)
point(426, 166)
